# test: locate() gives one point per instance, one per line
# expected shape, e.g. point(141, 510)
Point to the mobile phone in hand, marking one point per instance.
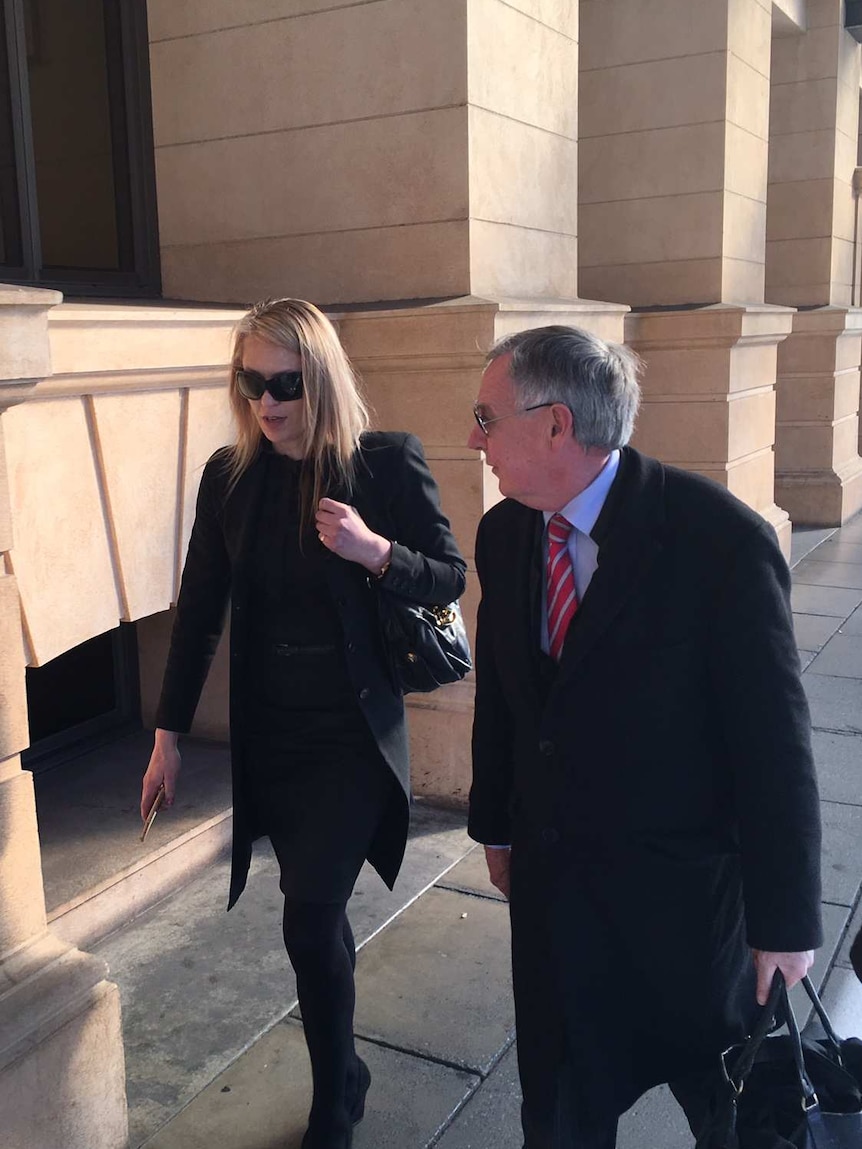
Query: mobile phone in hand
point(154, 809)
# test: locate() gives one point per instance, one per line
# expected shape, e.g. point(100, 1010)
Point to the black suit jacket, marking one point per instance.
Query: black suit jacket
point(397, 497)
point(669, 754)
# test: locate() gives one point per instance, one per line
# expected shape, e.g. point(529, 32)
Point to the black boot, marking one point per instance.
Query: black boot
point(317, 1138)
point(360, 1089)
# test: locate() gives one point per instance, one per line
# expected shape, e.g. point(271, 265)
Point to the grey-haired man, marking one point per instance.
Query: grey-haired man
point(643, 779)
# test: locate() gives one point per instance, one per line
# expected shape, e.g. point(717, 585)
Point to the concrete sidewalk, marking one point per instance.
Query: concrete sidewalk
point(434, 1015)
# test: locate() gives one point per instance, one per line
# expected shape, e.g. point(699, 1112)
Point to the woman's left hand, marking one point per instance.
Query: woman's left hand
point(342, 530)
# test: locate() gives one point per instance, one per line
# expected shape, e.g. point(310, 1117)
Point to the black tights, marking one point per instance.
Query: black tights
point(320, 946)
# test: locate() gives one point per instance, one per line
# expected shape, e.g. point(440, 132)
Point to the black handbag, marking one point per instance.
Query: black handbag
point(786, 1092)
point(427, 645)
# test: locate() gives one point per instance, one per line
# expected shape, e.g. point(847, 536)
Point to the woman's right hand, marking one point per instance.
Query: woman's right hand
point(163, 767)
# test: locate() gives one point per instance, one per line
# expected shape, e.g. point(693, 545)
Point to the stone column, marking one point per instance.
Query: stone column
point(709, 396)
point(674, 110)
point(818, 468)
point(412, 150)
point(62, 1080)
point(812, 262)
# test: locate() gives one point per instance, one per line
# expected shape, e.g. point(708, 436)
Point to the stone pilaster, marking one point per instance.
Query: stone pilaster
point(709, 396)
point(673, 149)
point(818, 468)
point(674, 113)
point(62, 1076)
point(812, 262)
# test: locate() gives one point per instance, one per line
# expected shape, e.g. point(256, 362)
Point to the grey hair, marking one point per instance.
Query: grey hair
point(597, 381)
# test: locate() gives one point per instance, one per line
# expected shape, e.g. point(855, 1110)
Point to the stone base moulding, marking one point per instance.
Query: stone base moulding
point(709, 396)
point(62, 1070)
point(818, 466)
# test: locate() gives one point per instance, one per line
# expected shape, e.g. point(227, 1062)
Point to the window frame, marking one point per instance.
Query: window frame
point(138, 155)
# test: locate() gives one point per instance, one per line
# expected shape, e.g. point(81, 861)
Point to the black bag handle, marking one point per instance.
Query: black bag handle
point(809, 1097)
point(820, 1010)
point(765, 1023)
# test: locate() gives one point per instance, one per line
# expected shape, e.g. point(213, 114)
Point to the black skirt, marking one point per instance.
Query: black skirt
point(318, 785)
point(314, 776)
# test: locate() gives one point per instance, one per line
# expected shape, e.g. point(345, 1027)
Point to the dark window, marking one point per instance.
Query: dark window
point(77, 186)
point(86, 695)
point(11, 248)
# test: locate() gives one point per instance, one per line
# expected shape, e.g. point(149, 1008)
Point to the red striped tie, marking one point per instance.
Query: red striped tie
point(562, 595)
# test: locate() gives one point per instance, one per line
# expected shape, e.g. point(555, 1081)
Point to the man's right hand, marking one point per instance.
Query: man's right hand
point(499, 859)
point(164, 766)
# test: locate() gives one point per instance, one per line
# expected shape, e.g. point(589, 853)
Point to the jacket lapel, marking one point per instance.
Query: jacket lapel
point(522, 596)
point(629, 537)
point(533, 575)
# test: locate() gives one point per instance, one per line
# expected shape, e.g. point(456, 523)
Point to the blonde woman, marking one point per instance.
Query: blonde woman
point(296, 527)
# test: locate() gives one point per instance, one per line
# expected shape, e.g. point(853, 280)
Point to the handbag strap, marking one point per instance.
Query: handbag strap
point(820, 1010)
point(765, 1023)
point(809, 1097)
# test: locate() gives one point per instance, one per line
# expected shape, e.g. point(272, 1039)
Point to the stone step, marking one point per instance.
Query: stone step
point(98, 911)
point(97, 874)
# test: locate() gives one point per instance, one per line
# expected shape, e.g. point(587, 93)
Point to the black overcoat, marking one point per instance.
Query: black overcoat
point(397, 497)
point(654, 785)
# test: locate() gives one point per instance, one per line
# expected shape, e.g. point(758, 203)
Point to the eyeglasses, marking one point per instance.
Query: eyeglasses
point(283, 387)
point(485, 423)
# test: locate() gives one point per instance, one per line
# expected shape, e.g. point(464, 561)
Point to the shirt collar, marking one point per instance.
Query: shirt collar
point(583, 510)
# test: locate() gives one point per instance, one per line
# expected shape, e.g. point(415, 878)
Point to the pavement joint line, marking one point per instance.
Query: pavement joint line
point(407, 905)
point(838, 906)
point(285, 1017)
point(433, 1059)
point(853, 731)
point(436, 1059)
point(447, 1124)
point(465, 1101)
point(808, 554)
point(836, 964)
point(815, 614)
point(453, 889)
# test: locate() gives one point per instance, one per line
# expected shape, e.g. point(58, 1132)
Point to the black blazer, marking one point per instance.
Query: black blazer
point(669, 754)
point(397, 497)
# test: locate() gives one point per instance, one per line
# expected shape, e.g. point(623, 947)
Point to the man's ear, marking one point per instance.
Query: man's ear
point(562, 416)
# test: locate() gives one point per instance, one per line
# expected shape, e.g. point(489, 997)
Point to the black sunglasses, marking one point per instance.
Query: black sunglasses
point(283, 387)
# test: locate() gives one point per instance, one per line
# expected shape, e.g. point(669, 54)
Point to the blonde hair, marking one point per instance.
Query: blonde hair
point(335, 410)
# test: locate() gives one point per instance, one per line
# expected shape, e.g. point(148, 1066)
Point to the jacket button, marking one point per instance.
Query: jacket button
point(351, 646)
point(364, 693)
point(551, 836)
point(547, 747)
